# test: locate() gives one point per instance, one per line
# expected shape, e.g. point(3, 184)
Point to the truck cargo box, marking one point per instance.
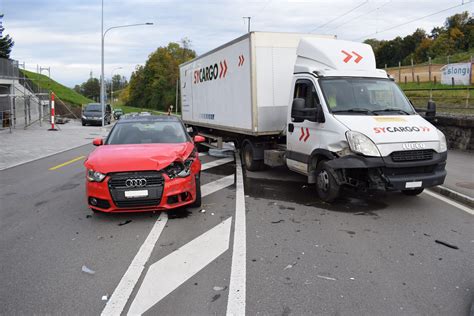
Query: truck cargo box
point(242, 86)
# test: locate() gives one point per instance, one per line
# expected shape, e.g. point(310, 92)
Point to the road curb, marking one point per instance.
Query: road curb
point(459, 197)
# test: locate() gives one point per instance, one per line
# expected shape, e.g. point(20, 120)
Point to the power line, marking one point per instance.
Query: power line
point(414, 20)
point(340, 16)
point(363, 14)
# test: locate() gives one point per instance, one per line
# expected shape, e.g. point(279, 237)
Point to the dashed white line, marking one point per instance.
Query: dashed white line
point(216, 163)
point(237, 286)
point(122, 292)
point(166, 275)
point(217, 185)
point(450, 202)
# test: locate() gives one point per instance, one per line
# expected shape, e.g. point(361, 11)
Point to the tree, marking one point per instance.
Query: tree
point(154, 84)
point(91, 88)
point(6, 42)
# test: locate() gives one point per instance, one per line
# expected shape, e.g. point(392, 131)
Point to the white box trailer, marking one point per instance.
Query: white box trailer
point(242, 86)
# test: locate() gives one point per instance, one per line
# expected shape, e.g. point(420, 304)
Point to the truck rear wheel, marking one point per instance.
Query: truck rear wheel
point(412, 192)
point(326, 185)
point(248, 158)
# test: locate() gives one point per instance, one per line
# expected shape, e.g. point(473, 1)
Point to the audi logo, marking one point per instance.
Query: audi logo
point(135, 183)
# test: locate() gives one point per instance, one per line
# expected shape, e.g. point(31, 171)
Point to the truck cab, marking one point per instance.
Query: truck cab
point(349, 124)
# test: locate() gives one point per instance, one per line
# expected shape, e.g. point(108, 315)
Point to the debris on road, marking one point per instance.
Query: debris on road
point(100, 237)
point(88, 216)
point(290, 266)
point(105, 297)
point(212, 214)
point(215, 297)
point(219, 288)
point(446, 244)
point(203, 211)
point(279, 221)
point(87, 270)
point(326, 278)
point(125, 223)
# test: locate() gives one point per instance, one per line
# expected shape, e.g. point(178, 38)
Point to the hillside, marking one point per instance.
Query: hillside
point(64, 93)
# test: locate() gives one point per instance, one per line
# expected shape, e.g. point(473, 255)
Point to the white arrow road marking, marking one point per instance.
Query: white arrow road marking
point(122, 292)
point(217, 185)
point(216, 163)
point(169, 273)
point(237, 286)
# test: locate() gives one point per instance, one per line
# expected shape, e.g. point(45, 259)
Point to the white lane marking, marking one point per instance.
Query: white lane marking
point(217, 185)
point(169, 273)
point(216, 163)
point(237, 286)
point(122, 292)
point(455, 204)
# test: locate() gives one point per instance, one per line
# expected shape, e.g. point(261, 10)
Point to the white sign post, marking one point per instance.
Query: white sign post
point(459, 73)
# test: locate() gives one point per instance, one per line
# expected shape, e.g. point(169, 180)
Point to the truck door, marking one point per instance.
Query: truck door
point(302, 135)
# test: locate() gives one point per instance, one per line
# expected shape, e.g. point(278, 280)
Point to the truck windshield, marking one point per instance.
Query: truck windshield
point(364, 96)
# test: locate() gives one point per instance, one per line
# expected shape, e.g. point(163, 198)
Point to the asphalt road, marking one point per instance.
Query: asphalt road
point(283, 253)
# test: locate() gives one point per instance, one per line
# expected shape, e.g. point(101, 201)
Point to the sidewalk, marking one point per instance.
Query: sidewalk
point(36, 142)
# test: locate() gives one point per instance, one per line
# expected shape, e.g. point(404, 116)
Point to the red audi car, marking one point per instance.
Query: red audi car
point(147, 163)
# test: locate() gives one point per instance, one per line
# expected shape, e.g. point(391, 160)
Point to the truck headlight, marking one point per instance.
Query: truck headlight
point(443, 146)
point(361, 144)
point(95, 176)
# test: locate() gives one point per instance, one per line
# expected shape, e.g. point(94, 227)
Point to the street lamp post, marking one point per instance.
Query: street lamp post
point(102, 85)
point(112, 85)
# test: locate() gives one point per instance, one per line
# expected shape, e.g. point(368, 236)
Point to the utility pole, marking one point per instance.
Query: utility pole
point(248, 22)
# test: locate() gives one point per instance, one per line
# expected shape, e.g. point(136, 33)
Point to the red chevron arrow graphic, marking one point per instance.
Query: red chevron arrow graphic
point(359, 57)
point(348, 56)
point(307, 135)
point(220, 72)
point(225, 69)
point(240, 60)
point(302, 134)
point(243, 60)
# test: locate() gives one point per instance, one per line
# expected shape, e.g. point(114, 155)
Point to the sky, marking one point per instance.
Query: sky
point(66, 34)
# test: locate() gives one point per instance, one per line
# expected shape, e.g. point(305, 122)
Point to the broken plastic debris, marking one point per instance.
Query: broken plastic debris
point(446, 244)
point(87, 270)
point(351, 278)
point(203, 211)
point(218, 288)
point(288, 267)
point(212, 214)
point(279, 221)
point(325, 277)
point(125, 223)
point(104, 297)
point(100, 237)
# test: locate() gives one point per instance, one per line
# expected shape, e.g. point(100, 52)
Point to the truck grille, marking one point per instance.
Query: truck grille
point(412, 155)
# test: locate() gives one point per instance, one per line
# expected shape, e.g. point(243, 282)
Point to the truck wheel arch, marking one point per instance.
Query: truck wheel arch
point(314, 159)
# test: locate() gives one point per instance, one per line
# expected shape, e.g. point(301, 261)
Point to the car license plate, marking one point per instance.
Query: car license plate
point(414, 184)
point(136, 194)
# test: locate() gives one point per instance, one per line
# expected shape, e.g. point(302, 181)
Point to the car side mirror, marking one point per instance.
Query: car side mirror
point(431, 109)
point(98, 142)
point(199, 139)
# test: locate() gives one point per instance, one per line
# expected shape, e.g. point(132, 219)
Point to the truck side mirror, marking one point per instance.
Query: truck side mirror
point(297, 108)
point(431, 109)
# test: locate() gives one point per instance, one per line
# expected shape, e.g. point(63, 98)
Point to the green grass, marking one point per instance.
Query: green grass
point(129, 109)
point(64, 93)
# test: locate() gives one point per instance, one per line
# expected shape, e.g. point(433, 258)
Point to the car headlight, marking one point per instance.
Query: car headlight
point(179, 169)
point(84, 117)
point(361, 144)
point(443, 145)
point(95, 176)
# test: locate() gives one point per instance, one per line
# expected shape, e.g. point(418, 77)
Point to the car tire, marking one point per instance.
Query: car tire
point(248, 159)
point(83, 124)
point(198, 201)
point(413, 192)
point(326, 185)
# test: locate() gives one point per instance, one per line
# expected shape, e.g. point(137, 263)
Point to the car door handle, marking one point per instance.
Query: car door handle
point(291, 127)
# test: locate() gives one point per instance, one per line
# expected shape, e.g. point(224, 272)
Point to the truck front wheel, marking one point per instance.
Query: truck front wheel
point(326, 185)
point(248, 157)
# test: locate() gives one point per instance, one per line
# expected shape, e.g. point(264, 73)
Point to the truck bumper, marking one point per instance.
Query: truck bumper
point(384, 173)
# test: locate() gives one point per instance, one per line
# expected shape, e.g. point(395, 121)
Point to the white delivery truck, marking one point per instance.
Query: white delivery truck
point(318, 105)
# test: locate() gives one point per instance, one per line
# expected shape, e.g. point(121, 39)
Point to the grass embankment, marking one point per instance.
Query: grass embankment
point(64, 93)
point(449, 99)
point(130, 109)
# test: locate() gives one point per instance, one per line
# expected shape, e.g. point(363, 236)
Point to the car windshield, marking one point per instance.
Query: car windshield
point(93, 108)
point(363, 96)
point(147, 132)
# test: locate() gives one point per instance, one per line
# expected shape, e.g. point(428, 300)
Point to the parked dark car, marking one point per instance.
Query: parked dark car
point(118, 113)
point(92, 114)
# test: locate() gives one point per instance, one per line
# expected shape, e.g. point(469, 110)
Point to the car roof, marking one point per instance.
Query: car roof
point(149, 118)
